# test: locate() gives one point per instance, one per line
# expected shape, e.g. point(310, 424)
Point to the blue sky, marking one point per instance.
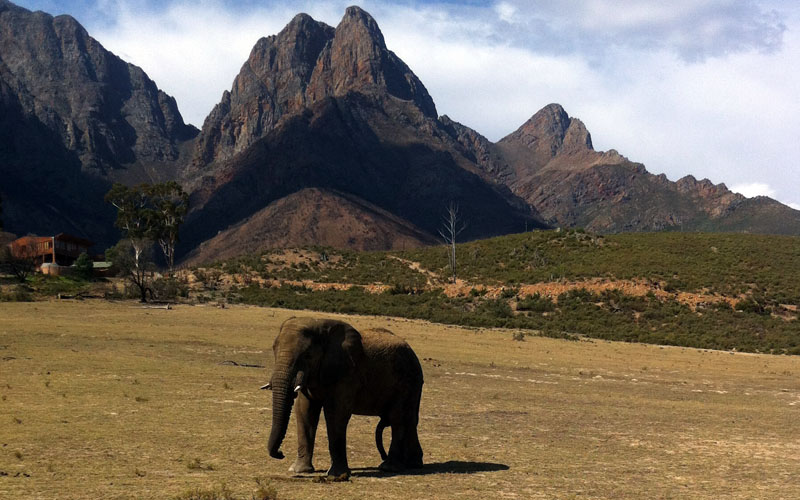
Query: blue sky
point(702, 87)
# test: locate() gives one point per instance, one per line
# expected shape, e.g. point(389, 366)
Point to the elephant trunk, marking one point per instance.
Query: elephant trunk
point(282, 402)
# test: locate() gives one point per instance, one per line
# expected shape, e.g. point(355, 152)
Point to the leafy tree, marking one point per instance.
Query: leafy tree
point(170, 204)
point(137, 221)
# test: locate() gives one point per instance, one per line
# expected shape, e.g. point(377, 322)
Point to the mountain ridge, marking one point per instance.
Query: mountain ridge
point(314, 109)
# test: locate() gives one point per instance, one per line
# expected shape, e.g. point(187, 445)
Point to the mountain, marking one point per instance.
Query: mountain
point(334, 109)
point(551, 164)
point(311, 217)
point(74, 118)
point(326, 136)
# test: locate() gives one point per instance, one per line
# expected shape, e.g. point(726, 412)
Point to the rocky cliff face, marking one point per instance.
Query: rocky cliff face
point(74, 118)
point(105, 110)
point(305, 63)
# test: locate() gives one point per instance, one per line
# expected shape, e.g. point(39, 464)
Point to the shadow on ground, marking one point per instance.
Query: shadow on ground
point(449, 467)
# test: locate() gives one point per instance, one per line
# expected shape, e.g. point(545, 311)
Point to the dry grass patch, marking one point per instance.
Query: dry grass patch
point(105, 400)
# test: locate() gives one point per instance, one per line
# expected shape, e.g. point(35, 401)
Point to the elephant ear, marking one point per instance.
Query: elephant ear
point(344, 353)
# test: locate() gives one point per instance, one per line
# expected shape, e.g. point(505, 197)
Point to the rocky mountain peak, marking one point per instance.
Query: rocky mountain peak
point(106, 110)
point(550, 131)
point(547, 134)
point(307, 62)
point(358, 22)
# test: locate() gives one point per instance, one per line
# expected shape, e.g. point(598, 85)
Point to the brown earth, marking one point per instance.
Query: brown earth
point(464, 288)
point(313, 217)
point(112, 400)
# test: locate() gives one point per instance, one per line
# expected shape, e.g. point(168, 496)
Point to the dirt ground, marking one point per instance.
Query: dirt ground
point(113, 400)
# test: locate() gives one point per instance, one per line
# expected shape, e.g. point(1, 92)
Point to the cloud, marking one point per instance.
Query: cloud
point(795, 206)
point(693, 29)
point(753, 189)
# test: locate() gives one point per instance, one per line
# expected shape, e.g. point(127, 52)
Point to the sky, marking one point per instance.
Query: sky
point(702, 87)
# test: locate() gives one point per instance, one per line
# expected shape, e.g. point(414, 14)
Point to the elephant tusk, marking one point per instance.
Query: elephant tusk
point(297, 389)
point(268, 386)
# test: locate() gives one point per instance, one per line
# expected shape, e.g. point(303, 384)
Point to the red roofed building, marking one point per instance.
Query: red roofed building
point(61, 249)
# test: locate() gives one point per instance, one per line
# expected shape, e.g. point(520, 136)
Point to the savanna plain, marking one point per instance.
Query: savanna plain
point(115, 400)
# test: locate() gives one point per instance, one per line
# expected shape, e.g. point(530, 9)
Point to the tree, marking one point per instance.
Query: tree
point(136, 266)
point(452, 226)
point(137, 221)
point(21, 266)
point(170, 204)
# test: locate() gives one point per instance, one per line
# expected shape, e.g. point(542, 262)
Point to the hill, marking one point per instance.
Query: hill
point(313, 217)
point(689, 289)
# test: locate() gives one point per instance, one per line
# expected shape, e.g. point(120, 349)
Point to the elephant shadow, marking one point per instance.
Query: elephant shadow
point(449, 467)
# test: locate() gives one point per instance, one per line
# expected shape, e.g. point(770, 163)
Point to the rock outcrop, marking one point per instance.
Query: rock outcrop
point(307, 62)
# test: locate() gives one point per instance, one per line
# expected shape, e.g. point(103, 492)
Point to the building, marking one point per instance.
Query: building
point(61, 249)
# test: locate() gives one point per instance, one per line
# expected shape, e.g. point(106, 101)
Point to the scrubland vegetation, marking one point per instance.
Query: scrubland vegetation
point(721, 291)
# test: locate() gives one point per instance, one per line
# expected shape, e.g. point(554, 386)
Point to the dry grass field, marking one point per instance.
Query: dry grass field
point(112, 400)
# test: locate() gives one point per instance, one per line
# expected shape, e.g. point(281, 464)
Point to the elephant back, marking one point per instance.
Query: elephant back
point(381, 346)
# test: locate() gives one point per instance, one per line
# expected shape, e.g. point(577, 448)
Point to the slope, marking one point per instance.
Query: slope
point(75, 117)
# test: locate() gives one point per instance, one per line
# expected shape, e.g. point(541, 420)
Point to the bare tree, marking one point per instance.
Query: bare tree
point(21, 265)
point(452, 226)
point(134, 262)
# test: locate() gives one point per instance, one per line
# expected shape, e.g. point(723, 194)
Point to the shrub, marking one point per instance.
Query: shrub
point(752, 305)
point(536, 303)
point(84, 267)
point(170, 288)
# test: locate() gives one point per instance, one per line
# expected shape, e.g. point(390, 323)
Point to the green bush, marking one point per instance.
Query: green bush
point(84, 267)
point(170, 288)
point(536, 303)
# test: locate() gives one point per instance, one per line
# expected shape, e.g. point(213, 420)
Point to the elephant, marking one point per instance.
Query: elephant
point(327, 365)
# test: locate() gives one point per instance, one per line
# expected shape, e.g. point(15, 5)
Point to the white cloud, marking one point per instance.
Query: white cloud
point(505, 11)
point(795, 206)
point(753, 189)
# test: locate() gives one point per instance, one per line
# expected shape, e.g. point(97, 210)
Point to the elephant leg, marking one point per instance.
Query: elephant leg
point(307, 415)
point(412, 450)
point(405, 450)
point(394, 460)
point(336, 421)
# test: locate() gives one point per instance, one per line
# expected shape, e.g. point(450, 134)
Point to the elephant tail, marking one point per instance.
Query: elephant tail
point(379, 438)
